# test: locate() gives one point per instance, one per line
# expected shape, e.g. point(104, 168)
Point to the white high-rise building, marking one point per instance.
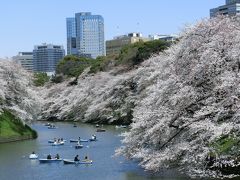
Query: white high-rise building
point(89, 34)
point(25, 59)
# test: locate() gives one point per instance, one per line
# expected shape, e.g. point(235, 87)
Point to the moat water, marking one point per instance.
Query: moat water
point(15, 164)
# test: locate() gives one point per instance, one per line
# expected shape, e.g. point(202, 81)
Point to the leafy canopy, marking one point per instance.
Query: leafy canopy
point(40, 78)
point(130, 55)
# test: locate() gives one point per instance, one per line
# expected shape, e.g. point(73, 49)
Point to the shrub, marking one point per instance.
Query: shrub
point(40, 78)
point(134, 54)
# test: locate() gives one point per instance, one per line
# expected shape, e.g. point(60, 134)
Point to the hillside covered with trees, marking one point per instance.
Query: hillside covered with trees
point(189, 117)
point(19, 102)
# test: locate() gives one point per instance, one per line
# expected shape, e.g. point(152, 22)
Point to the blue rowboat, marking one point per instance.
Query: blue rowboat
point(68, 161)
point(93, 139)
point(78, 146)
point(101, 130)
point(83, 140)
point(73, 140)
point(50, 160)
point(76, 140)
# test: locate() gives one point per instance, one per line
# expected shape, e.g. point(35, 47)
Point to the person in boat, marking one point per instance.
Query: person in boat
point(78, 143)
point(49, 156)
point(79, 138)
point(61, 139)
point(86, 158)
point(94, 137)
point(57, 156)
point(76, 158)
point(33, 152)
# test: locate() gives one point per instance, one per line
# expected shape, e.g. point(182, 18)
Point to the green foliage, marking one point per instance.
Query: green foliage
point(1, 101)
point(225, 144)
point(128, 54)
point(73, 66)
point(134, 54)
point(102, 63)
point(58, 78)
point(40, 79)
point(11, 126)
point(97, 65)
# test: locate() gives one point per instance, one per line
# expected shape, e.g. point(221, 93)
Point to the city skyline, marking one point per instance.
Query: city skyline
point(26, 23)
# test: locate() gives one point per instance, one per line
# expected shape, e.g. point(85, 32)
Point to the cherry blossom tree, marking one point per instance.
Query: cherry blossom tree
point(189, 116)
point(17, 92)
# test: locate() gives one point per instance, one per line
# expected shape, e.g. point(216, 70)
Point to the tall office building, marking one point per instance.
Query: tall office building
point(46, 57)
point(232, 7)
point(25, 59)
point(71, 36)
point(89, 34)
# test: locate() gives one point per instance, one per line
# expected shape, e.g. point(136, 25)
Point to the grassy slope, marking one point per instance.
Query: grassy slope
point(10, 126)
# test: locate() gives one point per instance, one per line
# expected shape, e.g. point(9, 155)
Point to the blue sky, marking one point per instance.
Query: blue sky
point(25, 23)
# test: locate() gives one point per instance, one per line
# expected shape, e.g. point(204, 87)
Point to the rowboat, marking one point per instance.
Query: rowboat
point(50, 160)
point(47, 124)
point(52, 127)
point(121, 126)
point(58, 143)
point(68, 161)
point(52, 141)
point(78, 146)
point(93, 138)
point(101, 130)
point(73, 140)
point(83, 140)
point(77, 140)
point(33, 156)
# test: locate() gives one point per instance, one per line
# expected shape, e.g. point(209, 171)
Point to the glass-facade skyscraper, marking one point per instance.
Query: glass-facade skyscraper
point(89, 34)
point(46, 57)
point(231, 8)
point(71, 36)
